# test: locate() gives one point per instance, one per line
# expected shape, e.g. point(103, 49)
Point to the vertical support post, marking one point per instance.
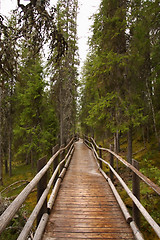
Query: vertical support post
point(41, 186)
point(116, 148)
point(136, 192)
point(111, 163)
point(100, 155)
point(55, 162)
point(62, 156)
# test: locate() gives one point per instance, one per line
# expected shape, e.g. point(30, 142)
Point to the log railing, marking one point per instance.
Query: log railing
point(10, 212)
point(90, 142)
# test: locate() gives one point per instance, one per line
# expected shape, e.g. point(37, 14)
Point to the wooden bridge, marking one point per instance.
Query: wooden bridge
point(87, 206)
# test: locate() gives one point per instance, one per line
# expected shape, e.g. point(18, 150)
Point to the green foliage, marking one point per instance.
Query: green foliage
point(151, 171)
point(63, 75)
point(35, 127)
point(122, 63)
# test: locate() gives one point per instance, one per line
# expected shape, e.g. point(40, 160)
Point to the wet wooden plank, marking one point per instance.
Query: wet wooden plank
point(70, 235)
point(71, 229)
point(85, 207)
point(84, 223)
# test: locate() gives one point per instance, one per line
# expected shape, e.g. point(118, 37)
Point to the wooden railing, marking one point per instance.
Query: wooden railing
point(90, 142)
point(54, 182)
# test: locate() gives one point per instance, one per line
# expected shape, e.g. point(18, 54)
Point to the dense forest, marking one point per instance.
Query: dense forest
point(38, 80)
point(43, 101)
point(121, 76)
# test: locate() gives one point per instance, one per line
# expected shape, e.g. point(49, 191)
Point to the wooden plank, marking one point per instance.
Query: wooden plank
point(86, 222)
point(92, 229)
point(68, 235)
point(85, 207)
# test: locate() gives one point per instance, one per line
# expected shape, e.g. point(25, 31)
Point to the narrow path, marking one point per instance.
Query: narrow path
point(85, 207)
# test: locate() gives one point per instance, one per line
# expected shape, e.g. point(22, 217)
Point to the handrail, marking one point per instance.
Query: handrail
point(24, 233)
point(155, 187)
point(147, 216)
point(9, 213)
point(40, 229)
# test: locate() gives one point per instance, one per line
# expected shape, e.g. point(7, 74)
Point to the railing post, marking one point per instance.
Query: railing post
point(55, 162)
point(100, 155)
point(62, 156)
point(136, 192)
point(111, 163)
point(41, 186)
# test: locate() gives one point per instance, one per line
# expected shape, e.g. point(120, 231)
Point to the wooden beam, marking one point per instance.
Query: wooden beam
point(112, 164)
point(155, 187)
point(55, 163)
point(41, 227)
point(41, 186)
point(144, 212)
point(9, 213)
point(136, 192)
point(118, 198)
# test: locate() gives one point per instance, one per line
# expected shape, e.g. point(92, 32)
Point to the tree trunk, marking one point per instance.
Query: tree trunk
point(10, 136)
point(116, 142)
point(10, 150)
point(6, 165)
point(153, 114)
point(61, 115)
point(129, 152)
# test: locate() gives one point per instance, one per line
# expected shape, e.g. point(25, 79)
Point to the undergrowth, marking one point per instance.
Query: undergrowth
point(149, 159)
point(19, 173)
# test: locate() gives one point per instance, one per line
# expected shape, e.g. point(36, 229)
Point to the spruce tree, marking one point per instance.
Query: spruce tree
point(64, 73)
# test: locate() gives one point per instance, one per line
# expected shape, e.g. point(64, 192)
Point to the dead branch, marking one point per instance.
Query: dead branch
point(141, 150)
point(11, 185)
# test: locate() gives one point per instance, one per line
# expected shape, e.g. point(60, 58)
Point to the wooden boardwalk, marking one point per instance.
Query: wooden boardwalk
point(85, 207)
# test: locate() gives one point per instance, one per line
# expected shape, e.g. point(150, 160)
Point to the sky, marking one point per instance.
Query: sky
point(86, 9)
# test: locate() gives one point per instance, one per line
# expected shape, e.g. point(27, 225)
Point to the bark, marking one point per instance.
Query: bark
point(129, 151)
point(116, 145)
point(116, 142)
point(61, 116)
point(67, 75)
point(10, 150)
point(10, 141)
point(153, 114)
point(6, 165)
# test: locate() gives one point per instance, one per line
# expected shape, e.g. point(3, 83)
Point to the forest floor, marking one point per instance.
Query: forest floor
point(12, 186)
